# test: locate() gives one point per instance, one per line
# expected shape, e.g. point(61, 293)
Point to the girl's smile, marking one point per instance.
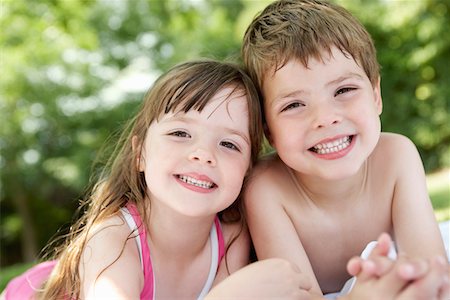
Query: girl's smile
point(194, 183)
point(194, 162)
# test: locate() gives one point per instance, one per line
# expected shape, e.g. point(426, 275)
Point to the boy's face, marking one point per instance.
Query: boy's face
point(323, 120)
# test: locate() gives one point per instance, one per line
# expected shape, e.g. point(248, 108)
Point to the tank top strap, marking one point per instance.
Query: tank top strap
point(148, 291)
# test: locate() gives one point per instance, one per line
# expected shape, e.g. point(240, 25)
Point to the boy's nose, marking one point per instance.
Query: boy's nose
point(325, 116)
point(203, 156)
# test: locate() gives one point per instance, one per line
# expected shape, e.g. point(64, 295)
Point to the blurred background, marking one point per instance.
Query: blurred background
point(72, 71)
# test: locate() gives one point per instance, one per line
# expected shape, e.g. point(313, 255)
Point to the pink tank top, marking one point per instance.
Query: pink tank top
point(26, 285)
point(217, 251)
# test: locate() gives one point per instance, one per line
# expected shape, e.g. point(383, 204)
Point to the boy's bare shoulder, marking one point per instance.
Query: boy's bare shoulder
point(269, 179)
point(393, 145)
point(394, 153)
point(268, 167)
point(395, 139)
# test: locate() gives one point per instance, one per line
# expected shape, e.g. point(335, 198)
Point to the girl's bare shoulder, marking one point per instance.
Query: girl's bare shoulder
point(109, 239)
point(110, 258)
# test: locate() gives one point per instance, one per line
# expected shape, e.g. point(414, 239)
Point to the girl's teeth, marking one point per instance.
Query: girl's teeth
point(333, 146)
point(193, 181)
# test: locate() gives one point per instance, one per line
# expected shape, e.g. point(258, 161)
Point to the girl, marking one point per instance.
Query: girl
point(163, 213)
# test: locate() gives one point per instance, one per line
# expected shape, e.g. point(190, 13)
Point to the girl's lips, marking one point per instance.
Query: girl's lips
point(207, 184)
point(202, 184)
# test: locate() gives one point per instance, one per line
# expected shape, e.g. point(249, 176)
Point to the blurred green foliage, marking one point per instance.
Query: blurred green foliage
point(73, 71)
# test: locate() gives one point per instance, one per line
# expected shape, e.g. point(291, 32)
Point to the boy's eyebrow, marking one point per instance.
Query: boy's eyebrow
point(344, 77)
point(295, 93)
point(298, 93)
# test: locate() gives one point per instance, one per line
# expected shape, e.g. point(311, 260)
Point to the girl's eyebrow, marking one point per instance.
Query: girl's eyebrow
point(184, 119)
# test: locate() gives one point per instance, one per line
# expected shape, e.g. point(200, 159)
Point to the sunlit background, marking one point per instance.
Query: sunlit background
point(72, 71)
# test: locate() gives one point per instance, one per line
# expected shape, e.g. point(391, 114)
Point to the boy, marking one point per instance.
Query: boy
point(335, 182)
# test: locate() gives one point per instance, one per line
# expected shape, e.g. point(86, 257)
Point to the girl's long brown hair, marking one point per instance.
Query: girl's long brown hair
point(186, 86)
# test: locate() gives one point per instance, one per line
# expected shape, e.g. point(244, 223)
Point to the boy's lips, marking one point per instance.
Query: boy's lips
point(332, 146)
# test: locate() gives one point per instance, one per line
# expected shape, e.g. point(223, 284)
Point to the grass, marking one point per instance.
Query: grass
point(438, 187)
point(439, 190)
point(8, 273)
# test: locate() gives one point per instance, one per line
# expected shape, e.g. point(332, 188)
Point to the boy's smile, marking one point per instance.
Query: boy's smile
point(334, 148)
point(322, 119)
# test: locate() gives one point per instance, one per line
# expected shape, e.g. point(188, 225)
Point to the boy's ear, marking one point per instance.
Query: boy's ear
point(137, 149)
point(377, 96)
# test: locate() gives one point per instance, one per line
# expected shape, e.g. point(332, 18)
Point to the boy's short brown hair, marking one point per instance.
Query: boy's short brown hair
point(300, 29)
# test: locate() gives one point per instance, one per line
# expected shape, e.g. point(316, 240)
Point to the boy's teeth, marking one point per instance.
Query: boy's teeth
point(193, 181)
point(332, 146)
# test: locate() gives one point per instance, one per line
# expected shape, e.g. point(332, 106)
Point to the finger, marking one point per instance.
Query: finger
point(368, 270)
point(304, 282)
point(354, 265)
point(382, 265)
point(413, 269)
point(444, 291)
point(391, 281)
point(383, 246)
point(431, 285)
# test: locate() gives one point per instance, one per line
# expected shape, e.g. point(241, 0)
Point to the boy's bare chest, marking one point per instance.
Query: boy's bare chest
point(331, 236)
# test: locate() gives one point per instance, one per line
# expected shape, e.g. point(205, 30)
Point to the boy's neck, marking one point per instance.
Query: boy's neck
point(323, 192)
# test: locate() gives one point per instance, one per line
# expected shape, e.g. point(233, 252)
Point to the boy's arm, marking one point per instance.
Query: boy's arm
point(271, 229)
point(415, 227)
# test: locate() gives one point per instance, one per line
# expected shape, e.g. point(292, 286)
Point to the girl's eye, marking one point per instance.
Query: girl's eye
point(291, 106)
point(229, 146)
point(180, 133)
point(344, 90)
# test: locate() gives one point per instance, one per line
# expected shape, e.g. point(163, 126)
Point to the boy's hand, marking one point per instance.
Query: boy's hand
point(403, 279)
point(374, 265)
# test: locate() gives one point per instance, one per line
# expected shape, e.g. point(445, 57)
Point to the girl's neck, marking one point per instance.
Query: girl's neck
point(172, 234)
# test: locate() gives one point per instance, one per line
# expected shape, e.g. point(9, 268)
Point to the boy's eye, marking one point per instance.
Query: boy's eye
point(229, 146)
point(180, 133)
point(344, 90)
point(291, 106)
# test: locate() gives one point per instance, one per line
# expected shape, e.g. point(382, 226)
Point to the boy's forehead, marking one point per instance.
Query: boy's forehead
point(335, 65)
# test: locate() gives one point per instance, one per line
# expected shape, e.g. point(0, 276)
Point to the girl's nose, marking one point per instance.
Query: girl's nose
point(203, 156)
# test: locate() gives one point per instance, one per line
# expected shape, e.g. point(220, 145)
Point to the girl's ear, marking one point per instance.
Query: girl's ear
point(137, 149)
point(377, 96)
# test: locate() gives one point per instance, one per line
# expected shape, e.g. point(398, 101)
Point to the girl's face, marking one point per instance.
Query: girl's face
point(323, 119)
point(195, 162)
